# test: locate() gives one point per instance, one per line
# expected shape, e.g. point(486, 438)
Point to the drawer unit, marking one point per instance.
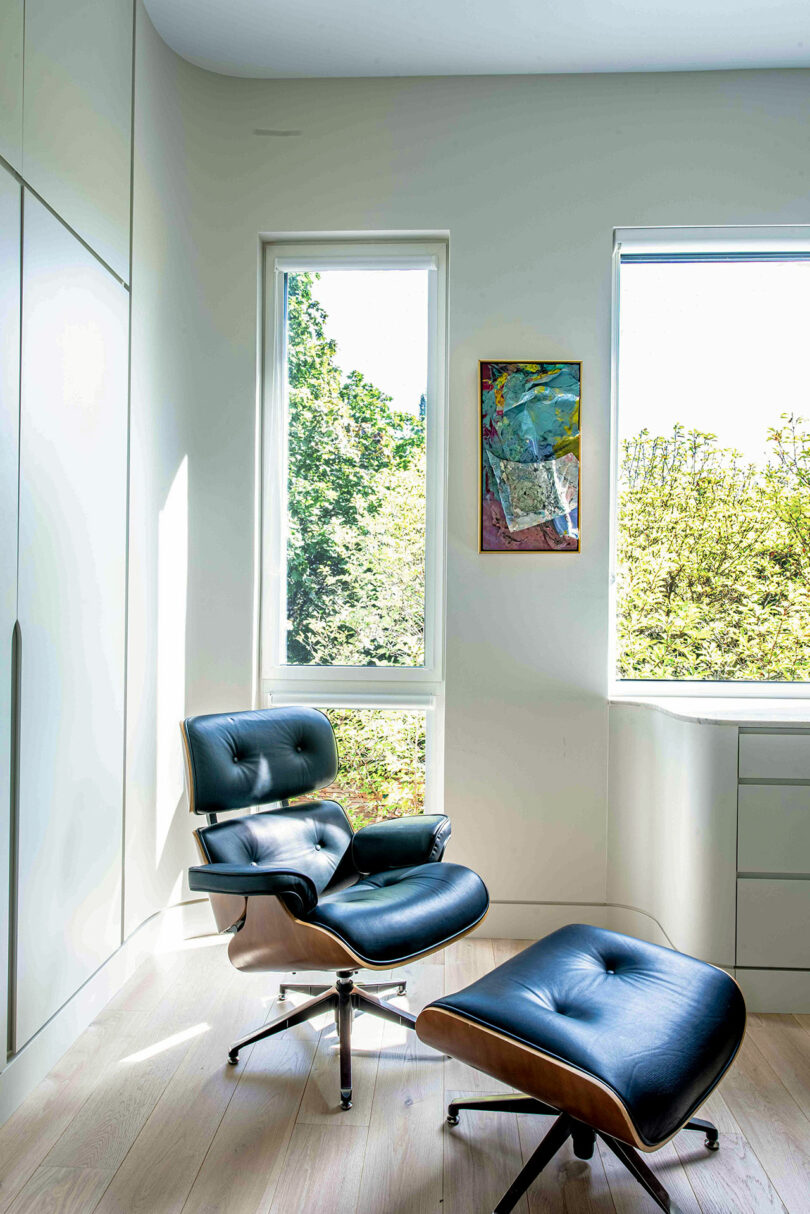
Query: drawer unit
point(773, 918)
point(775, 756)
point(774, 828)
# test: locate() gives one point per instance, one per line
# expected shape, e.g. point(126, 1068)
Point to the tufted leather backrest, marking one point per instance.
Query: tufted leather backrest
point(239, 759)
point(311, 838)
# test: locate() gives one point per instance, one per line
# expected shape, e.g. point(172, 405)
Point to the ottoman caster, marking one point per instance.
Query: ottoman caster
point(712, 1140)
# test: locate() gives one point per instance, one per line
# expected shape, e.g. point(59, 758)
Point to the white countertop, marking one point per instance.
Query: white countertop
point(709, 710)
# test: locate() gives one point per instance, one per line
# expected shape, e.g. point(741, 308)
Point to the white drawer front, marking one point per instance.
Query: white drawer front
point(775, 756)
point(774, 828)
point(773, 922)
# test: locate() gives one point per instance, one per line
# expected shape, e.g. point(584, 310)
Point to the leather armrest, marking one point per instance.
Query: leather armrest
point(400, 842)
point(247, 879)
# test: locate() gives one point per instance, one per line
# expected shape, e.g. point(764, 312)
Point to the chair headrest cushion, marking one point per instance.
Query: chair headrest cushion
point(238, 759)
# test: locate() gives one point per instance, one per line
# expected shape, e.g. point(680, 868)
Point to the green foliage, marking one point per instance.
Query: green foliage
point(382, 763)
point(355, 554)
point(713, 558)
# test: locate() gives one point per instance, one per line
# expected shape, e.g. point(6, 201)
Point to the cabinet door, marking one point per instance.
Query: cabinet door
point(77, 117)
point(71, 611)
point(11, 80)
point(772, 918)
point(9, 435)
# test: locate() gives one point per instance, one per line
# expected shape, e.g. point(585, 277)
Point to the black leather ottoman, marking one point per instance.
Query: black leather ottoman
point(622, 1039)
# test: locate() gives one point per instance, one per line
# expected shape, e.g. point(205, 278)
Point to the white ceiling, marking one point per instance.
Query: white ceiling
point(295, 38)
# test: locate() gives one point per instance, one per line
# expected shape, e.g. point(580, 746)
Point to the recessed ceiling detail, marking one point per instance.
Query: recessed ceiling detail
point(321, 38)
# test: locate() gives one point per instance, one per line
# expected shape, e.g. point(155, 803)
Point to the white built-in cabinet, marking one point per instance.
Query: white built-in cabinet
point(78, 115)
point(11, 80)
point(709, 835)
point(71, 610)
point(65, 201)
point(773, 854)
point(9, 434)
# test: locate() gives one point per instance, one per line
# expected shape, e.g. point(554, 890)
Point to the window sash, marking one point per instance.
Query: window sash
point(277, 675)
point(690, 244)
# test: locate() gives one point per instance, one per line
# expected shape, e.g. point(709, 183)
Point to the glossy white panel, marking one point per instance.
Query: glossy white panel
point(9, 435)
point(774, 828)
point(11, 79)
point(772, 918)
point(77, 123)
point(71, 610)
point(775, 756)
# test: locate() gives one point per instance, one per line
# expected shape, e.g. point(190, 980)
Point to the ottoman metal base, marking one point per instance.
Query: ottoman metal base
point(584, 1139)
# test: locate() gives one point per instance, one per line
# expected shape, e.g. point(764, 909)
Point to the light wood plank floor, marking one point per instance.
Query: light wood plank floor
point(142, 1116)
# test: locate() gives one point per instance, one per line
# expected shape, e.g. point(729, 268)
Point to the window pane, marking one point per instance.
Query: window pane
point(382, 763)
point(357, 383)
point(714, 493)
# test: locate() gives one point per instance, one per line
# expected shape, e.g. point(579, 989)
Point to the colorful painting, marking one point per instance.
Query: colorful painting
point(530, 456)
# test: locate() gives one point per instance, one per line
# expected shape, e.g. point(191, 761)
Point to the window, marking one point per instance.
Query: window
point(353, 502)
point(711, 575)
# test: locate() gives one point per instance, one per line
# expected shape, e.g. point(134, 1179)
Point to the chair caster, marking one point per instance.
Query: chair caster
point(346, 1099)
point(712, 1144)
point(401, 989)
point(233, 1059)
point(452, 1119)
point(281, 996)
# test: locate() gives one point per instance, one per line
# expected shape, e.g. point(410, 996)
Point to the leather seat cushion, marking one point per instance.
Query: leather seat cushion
point(398, 914)
point(658, 1027)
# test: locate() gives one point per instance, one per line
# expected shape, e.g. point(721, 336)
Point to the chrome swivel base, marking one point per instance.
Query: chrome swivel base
point(584, 1141)
point(345, 998)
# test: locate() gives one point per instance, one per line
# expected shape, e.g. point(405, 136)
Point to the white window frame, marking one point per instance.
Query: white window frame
point(786, 239)
point(414, 688)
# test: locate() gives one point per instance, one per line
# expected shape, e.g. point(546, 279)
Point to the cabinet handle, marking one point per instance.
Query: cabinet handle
point(14, 817)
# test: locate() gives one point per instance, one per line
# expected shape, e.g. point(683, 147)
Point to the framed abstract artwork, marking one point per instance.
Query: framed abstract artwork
point(529, 445)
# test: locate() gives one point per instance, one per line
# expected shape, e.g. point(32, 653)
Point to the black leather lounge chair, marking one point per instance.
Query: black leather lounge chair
point(298, 888)
point(616, 1038)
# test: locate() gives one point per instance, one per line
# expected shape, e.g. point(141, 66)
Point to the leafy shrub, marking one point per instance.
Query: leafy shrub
point(713, 558)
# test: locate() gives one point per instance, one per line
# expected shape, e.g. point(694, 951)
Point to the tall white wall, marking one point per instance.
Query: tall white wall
point(528, 176)
point(177, 551)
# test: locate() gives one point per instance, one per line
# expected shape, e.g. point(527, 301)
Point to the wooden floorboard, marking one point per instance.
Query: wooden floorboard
point(669, 1170)
point(127, 1090)
point(157, 1174)
point(142, 1116)
point(481, 1159)
point(567, 1183)
point(61, 1191)
point(776, 1128)
point(402, 1169)
point(240, 1171)
point(465, 962)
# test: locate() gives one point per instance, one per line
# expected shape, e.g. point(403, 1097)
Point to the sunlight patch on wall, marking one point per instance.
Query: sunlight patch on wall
point(171, 653)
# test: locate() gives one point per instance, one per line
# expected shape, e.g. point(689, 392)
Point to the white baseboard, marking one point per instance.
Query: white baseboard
point(30, 1066)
